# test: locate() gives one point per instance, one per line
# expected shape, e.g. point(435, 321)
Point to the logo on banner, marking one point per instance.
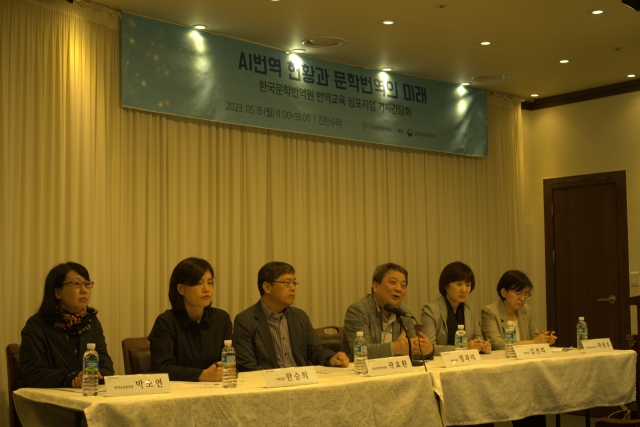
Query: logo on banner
point(366, 127)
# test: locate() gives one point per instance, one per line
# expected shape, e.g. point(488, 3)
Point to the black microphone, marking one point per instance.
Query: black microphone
point(396, 310)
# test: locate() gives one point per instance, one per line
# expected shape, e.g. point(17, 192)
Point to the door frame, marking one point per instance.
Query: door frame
point(619, 179)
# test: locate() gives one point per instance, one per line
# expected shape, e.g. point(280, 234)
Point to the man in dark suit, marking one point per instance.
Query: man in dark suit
point(272, 334)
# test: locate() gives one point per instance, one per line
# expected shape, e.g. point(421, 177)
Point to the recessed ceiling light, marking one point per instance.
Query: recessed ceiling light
point(298, 50)
point(485, 43)
point(464, 84)
point(324, 41)
point(534, 95)
point(199, 27)
point(387, 22)
point(597, 12)
point(564, 61)
point(386, 69)
point(631, 75)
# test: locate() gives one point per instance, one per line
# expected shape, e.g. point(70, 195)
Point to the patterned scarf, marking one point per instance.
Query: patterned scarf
point(73, 324)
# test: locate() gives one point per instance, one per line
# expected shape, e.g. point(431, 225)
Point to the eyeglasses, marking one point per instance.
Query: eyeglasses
point(77, 284)
point(287, 284)
point(520, 294)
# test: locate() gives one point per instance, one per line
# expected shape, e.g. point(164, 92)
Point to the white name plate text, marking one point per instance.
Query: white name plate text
point(288, 377)
point(533, 351)
point(389, 366)
point(597, 346)
point(455, 359)
point(129, 385)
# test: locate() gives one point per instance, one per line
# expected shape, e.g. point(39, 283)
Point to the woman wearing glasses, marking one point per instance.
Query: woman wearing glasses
point(55, 338)
point(514, 288)
point(187, 341)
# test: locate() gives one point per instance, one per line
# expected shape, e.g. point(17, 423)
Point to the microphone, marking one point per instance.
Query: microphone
point(396, 310)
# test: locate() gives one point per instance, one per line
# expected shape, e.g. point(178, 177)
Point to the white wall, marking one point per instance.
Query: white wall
point(587, 137)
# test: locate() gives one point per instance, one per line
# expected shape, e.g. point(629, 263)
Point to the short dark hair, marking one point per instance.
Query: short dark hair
point(513, 280)
point(271, 271)
point(188, 272)
point(50, 307)
point(383, 269)
point(456, 272)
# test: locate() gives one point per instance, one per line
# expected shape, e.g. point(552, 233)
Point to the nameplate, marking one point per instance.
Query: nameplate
point(533, 351)
point(455, 359)
point(597, 346)
point(129, 385)
point(389, 366)
point(288, 377)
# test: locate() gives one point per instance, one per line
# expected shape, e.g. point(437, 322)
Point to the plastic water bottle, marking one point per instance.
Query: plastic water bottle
point(90, 369)
point(229, 373)
point(582, 332)
point(461, 338)
point(360, 354)
point(510, 339)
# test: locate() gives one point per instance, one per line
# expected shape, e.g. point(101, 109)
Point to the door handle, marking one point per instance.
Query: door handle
point(611, 300)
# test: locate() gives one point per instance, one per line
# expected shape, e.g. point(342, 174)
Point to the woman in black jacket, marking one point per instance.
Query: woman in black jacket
point(55, 338)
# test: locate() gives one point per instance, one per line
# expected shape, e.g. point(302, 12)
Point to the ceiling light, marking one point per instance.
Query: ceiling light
point(485, 43)
point(386, 69)
point(534, 95)
point(597, 12)
point(199, 27)
point(633, 4)
point(564, 61)
point(387, 22)
point(298, 50)
point(324, 41)
point(465, 84)
point(631, 75)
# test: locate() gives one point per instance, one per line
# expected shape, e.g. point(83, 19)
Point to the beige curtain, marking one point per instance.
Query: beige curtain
point(129, 194)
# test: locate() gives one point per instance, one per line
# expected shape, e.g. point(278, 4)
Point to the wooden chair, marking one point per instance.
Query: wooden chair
point(136, 356)
point(604, 422)
point(331, 336)
point(15, 380)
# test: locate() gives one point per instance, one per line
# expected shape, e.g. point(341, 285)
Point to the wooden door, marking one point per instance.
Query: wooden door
point(587, 261)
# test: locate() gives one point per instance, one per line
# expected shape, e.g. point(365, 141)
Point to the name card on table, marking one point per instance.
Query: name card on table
point(597, 346)
point(129, 385)
point(455, 359)
point(288, 377)
point(533, 351)
point(389, 366)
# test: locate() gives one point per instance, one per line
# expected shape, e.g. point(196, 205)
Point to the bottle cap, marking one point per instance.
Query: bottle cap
point(91, 346)
point(227, 343)
point(581, 318)
point(460, 327)
point(359, 334)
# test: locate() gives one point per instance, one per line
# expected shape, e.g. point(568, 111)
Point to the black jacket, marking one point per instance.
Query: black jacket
point(47, 358)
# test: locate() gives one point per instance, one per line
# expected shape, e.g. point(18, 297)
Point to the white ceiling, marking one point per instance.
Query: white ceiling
point(437, 39)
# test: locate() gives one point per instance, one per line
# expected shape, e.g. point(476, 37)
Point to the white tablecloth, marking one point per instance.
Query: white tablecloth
point(503, 389)
point(340, 399)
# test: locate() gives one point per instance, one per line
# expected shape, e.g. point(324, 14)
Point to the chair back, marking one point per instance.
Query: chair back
point(136, 356)
point(331, 336)
point(607, 422)
point(15, 380)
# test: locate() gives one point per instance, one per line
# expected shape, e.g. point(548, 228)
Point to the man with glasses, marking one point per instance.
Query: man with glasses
point(271, 334)
point(381, 328)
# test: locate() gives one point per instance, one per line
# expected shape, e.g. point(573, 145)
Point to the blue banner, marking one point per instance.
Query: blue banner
point(172, 69)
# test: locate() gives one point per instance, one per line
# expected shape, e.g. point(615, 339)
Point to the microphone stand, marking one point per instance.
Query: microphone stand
point(413, 362)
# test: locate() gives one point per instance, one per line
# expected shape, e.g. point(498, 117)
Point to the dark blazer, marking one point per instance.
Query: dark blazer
point(254, 345)
point(47, 358)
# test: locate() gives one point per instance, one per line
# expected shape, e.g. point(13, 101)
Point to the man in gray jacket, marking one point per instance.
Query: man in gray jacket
point(382, 331)
point(272, 334)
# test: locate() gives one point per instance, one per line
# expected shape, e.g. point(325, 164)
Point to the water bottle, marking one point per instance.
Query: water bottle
point(360, 354)
point(461, 338)
point(582, 332)
point(90, 369)
point(510, 340)
point(229, 373)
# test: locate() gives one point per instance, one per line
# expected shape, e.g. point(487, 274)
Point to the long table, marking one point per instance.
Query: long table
point(340, 399)
point(497, 390)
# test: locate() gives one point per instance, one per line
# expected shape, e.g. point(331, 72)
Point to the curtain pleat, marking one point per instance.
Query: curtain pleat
point(129, 194)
